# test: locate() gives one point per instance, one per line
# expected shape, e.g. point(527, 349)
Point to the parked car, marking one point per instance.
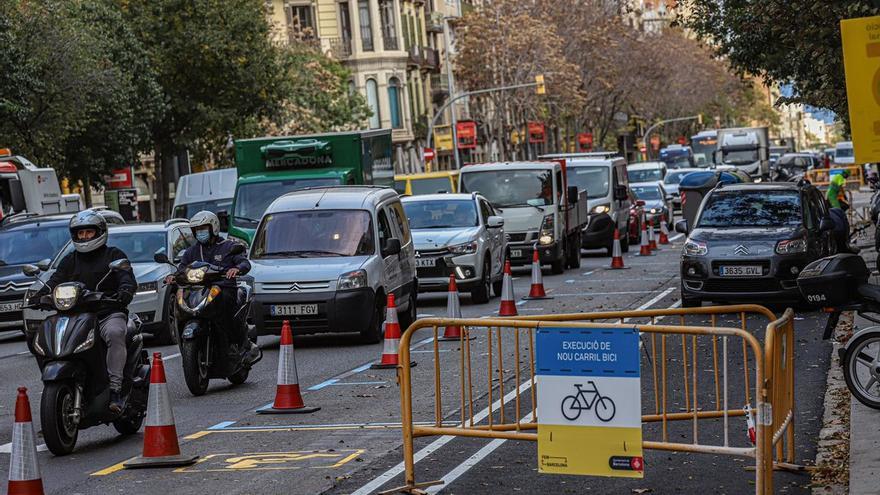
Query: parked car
point(750, 242)
point(461, 235)
point(646, 172)
point(658, 203)
point(325, 258)
point(154, 301)
point(36, 240)
point(671, 181)
point(792, 166)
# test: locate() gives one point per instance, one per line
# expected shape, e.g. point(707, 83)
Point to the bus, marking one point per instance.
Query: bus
point(704, 145)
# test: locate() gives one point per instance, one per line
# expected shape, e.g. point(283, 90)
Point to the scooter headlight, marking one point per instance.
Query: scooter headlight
point(64, 296)
point(196, 275)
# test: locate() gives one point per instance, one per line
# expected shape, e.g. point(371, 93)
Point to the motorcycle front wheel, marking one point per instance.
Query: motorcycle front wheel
point(861, 369)
point(195, 365)
point(56, 417)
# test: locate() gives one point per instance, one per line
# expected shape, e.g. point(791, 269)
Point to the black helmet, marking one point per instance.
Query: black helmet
point(88, 219)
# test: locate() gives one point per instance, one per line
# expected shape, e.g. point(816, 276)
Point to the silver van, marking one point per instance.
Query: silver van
point(325, 258)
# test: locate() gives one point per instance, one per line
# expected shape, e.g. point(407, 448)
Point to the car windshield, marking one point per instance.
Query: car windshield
point(32, 243)
point(139, 247)
point(647, 193)
point(844, 153)
point(751, 209)
point(703, 148)
point(251, 200)
point(441, 214)
point(674, 177)
point(190, 209)
point(646, 175)
point(315, 234)
point(594, 180)
point(740, 157)
point(793, 161)
point(506, 188)
point(430, 186)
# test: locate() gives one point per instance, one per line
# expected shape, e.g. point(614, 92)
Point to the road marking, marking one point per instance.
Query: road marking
point(343, 384)
point(586, 274)
point(170, 357)
point(584, 294)
point(6, 448)
point(110, 470)
point(676, 237)
point(272, 461)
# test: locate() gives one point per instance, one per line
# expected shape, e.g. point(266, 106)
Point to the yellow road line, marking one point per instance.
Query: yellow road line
point(110, 470)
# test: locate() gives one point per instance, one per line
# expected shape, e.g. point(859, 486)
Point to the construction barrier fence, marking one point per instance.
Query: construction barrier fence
point(821, 177)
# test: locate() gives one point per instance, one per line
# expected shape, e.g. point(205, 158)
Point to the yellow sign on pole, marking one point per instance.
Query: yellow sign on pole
point(861, 60)
point(443, 138)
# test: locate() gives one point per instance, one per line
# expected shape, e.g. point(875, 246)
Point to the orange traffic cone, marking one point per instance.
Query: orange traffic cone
point(664, 233)
point(616, 255)
point(288, 398)
point(391, 348)
point(537, 291)
point(644, 248)
point(24, 470)
point(160, 435)
point(652, 243)
point(453, 310)
point(508, 307)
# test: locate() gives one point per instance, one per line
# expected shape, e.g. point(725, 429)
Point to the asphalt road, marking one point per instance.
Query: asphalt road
point(355, 438)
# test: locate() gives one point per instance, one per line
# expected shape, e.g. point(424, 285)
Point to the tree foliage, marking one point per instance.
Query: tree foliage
point(783, 42)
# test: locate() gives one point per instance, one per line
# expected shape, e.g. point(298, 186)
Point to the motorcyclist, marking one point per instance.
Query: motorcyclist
point(211, 248)
point(836, 187)
point(88, 264)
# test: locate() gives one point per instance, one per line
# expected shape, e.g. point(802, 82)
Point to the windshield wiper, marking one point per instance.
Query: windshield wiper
point(303, 253)
point(246, 219)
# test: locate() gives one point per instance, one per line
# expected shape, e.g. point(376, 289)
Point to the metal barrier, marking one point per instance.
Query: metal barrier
point(821, 177)
point(770, 365)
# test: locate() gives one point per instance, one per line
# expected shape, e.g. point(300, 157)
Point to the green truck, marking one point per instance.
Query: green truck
point(270, 167)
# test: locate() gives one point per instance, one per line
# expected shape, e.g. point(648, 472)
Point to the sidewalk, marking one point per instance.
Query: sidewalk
point(864, 446)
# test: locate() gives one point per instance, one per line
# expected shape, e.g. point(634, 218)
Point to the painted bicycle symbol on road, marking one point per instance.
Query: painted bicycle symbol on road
point(572, 405)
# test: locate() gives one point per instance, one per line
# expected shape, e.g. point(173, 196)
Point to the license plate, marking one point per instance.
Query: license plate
point(426, 262)
point(740, 271)
point(516, 253)
point(10, 307)
point(293, 309)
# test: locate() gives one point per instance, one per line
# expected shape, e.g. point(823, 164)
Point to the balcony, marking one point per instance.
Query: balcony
point(390, 42)
point(415, 56)
point(434, 23)
point(439, 88)
point(340, 48)
point(430, 59)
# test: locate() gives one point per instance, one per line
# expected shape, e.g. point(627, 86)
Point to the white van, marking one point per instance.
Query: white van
point(843, 153)
point(212, 190)
point(325, 258)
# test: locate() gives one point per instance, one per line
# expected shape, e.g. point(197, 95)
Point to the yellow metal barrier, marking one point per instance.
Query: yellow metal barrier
point(768, 379)
point(821, 177)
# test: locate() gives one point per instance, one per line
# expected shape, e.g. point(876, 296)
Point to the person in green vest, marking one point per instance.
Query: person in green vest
point(836, 188)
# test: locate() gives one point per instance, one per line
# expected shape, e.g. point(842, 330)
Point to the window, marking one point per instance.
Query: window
point(345, 21)
point(315, 234)
point(389, 25)
point(300, 22)
point(402, 223)
point(441, 214)
point(559, 186)
point(394, 102)
point(593, 179)
point(486, 210)
point(385, 231)
point(763, 208)
point(373, 102)
point(366, 25)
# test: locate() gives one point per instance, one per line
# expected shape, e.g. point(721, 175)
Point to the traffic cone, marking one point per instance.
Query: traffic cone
point(508, 307)
point(616, 255)
point(537, 291)
point(391, 348)
point(644, 248)
point(453, 310)
point(160, 435)
point(664, 233)
point(288, 398)
point(652, 243)
point(24, 470)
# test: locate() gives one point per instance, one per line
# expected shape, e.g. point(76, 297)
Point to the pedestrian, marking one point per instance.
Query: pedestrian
point(836, 194)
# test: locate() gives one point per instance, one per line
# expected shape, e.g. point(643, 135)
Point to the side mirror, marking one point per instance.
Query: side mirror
point(30, 270)
point(620, 193)
point(237, 249)
point(681, 226)
point(223, 216)
point(640, 202)
point(161, 257)
point(826, 224)
point(121, 264)
point(44, 264)
point(495, 222)
point(572, 194)
point(391, 247)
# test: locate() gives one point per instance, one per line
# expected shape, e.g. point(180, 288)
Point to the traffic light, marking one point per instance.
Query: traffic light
point(700, 118)
point(540, 89)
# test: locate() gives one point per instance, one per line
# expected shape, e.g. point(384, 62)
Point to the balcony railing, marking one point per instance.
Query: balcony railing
point(390, 42)
point(431, 59)
point(415, 56)
point(340, 48)
point(434, 23)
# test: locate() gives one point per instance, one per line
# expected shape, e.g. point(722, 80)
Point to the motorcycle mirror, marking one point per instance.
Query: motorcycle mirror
point(161, 257)
point(237, 249)
point(30, 270)
point(121, 264)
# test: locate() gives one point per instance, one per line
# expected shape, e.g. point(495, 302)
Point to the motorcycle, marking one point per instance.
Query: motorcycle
point(205, 349)
point(73, 360)
point(840, 283)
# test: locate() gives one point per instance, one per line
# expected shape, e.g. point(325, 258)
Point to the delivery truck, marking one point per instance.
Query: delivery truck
point(745, 148)
point(27, 188)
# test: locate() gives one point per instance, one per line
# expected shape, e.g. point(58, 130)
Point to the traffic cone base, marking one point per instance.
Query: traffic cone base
point(288, 397)
point(24, 469)
point(161, 448)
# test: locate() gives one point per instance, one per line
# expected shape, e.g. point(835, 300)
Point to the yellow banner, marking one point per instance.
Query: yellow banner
point(615, 452)
point(861, 59)
point(443, 138)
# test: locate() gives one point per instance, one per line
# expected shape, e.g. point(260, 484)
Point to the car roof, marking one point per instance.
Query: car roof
point(762, 186)
point(482, 167)
point(26, 219)
point(338, 197)
point(436, 197)
point(646, 184)
point(686, 170)
point(141, 227)
point(645, 165)
point(427, 175)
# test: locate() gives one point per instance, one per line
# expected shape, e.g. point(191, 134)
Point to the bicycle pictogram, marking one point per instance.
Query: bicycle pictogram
point(572, 405)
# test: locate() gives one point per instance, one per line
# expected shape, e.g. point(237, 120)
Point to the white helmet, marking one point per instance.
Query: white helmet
point(203, 218)
point(88, 219)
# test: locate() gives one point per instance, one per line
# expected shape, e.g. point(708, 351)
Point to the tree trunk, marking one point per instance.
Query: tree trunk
point(87, 190)
point(159, 184)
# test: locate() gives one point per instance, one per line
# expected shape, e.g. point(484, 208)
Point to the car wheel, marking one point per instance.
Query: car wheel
point(558, 266)
point(575, 244)
point(171, 334)
point(480, 294)
point(412, 313)
point(373, 333)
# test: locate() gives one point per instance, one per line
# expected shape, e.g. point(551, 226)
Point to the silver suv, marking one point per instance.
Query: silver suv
point(458, 234)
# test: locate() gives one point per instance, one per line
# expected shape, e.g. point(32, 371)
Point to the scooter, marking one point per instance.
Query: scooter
point(205, 348)
point(73, 360)
point(840, 283)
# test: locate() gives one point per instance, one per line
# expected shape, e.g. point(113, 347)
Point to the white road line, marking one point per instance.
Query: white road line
point(676, 237)
point(171, 356)
point(6, 448)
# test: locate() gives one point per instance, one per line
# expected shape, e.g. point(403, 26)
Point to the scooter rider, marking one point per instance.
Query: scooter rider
point(88, 264)
point(211, 248)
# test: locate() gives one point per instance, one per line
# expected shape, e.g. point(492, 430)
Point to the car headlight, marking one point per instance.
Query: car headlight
point(89, 342)
point(545, 240)
point(601, 209)
point(695, 248)
point(147, 288)
point(653, 210)
point(64, 296)
point(466, 248)
point(352, 280)
point(196, 275)
point(791, 246)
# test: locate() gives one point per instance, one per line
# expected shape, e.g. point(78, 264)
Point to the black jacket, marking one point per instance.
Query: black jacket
point(90, 268)
point(217, 252)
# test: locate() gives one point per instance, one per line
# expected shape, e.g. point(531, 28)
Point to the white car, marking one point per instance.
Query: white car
point(461, 235)
point(670, 183)
point(646, 172)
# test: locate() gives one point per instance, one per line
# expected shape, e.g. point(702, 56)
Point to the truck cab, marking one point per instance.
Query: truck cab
point(746, 149)
point(24, 187)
